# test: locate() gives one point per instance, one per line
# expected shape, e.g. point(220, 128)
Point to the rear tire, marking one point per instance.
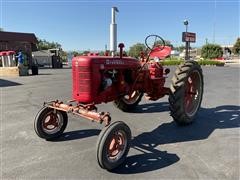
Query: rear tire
point(127, 103)
point(48, 124)
point(113, 145)
point(186, 92)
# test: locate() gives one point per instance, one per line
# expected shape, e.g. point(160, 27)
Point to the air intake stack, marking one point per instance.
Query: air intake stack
point(113, 32)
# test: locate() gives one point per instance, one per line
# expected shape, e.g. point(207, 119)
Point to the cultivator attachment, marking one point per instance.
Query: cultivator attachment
point(88, 111)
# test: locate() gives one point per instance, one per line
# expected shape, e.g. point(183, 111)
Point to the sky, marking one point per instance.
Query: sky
point(84, 25)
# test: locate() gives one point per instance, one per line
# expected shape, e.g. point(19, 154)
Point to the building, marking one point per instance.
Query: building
point(15, 41)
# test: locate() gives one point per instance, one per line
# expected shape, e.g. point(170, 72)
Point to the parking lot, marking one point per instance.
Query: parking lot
point(207, 149)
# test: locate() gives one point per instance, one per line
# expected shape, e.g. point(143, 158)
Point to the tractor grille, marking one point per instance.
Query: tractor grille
point(84, 75)
point(84, 88)
point(84, 84)
point(84, 79)
point(83, 69)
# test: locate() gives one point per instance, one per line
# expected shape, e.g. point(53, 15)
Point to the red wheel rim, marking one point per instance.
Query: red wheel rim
point(52, 122)
point(117, 146)
point(192, 93)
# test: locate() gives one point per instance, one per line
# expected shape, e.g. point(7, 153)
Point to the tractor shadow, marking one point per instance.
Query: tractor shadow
point(150, 158)
point(151, 107)
point(76, 135)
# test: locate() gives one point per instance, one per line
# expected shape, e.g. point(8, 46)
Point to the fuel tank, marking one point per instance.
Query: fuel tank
point(88, 76)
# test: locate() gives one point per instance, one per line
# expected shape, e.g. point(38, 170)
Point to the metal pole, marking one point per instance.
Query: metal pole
point(186, 46)
point(214, 21)
point(113, 32)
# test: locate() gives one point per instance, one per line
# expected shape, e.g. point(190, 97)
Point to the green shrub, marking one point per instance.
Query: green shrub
point(211, 62)
point(175, 61)
point(171, 62)
point(211, 51)
point(173, 58)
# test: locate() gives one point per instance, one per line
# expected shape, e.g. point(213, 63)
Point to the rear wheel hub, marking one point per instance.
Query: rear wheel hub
point(192, 90)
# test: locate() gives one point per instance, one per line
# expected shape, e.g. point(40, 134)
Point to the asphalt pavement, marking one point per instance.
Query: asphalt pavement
point(207, 149)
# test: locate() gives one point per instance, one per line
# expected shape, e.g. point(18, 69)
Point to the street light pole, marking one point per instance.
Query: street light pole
point(185, 22)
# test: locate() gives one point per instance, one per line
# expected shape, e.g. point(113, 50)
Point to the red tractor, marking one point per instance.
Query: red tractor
point(123, 80)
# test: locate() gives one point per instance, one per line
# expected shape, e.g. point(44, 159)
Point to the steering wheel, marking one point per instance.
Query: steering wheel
point(156, 39)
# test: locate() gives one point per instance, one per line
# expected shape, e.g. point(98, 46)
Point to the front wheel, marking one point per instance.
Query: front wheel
point(186, 92)
point(50, 123)
point(113, 145)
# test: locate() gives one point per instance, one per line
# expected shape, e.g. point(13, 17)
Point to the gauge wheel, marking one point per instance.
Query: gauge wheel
point(113, 145)
point(50, 123)
point(186, 92)
point(128, 103)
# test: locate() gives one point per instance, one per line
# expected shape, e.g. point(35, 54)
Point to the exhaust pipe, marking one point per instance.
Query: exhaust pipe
point(113, 32)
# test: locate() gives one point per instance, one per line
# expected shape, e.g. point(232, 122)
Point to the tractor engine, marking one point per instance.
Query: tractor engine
point(98, 79)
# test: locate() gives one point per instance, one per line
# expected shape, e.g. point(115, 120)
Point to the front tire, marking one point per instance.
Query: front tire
point(49, 124)
point(186, 92)
point(129, 102)
point(113, 145)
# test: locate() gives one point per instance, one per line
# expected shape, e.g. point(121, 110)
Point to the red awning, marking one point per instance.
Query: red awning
point(6, 53)
point(10, 52)
point(3, 53)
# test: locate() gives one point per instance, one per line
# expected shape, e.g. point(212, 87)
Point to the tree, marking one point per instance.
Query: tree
point(63, 55)
point(85, 52)
point(101, 53)
point(211, 51)
point(180, 48)
point(75, 53)
point(136, 50)
point(236, 47)
point(167, 43)
point(45, 45)
point(1, 29)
